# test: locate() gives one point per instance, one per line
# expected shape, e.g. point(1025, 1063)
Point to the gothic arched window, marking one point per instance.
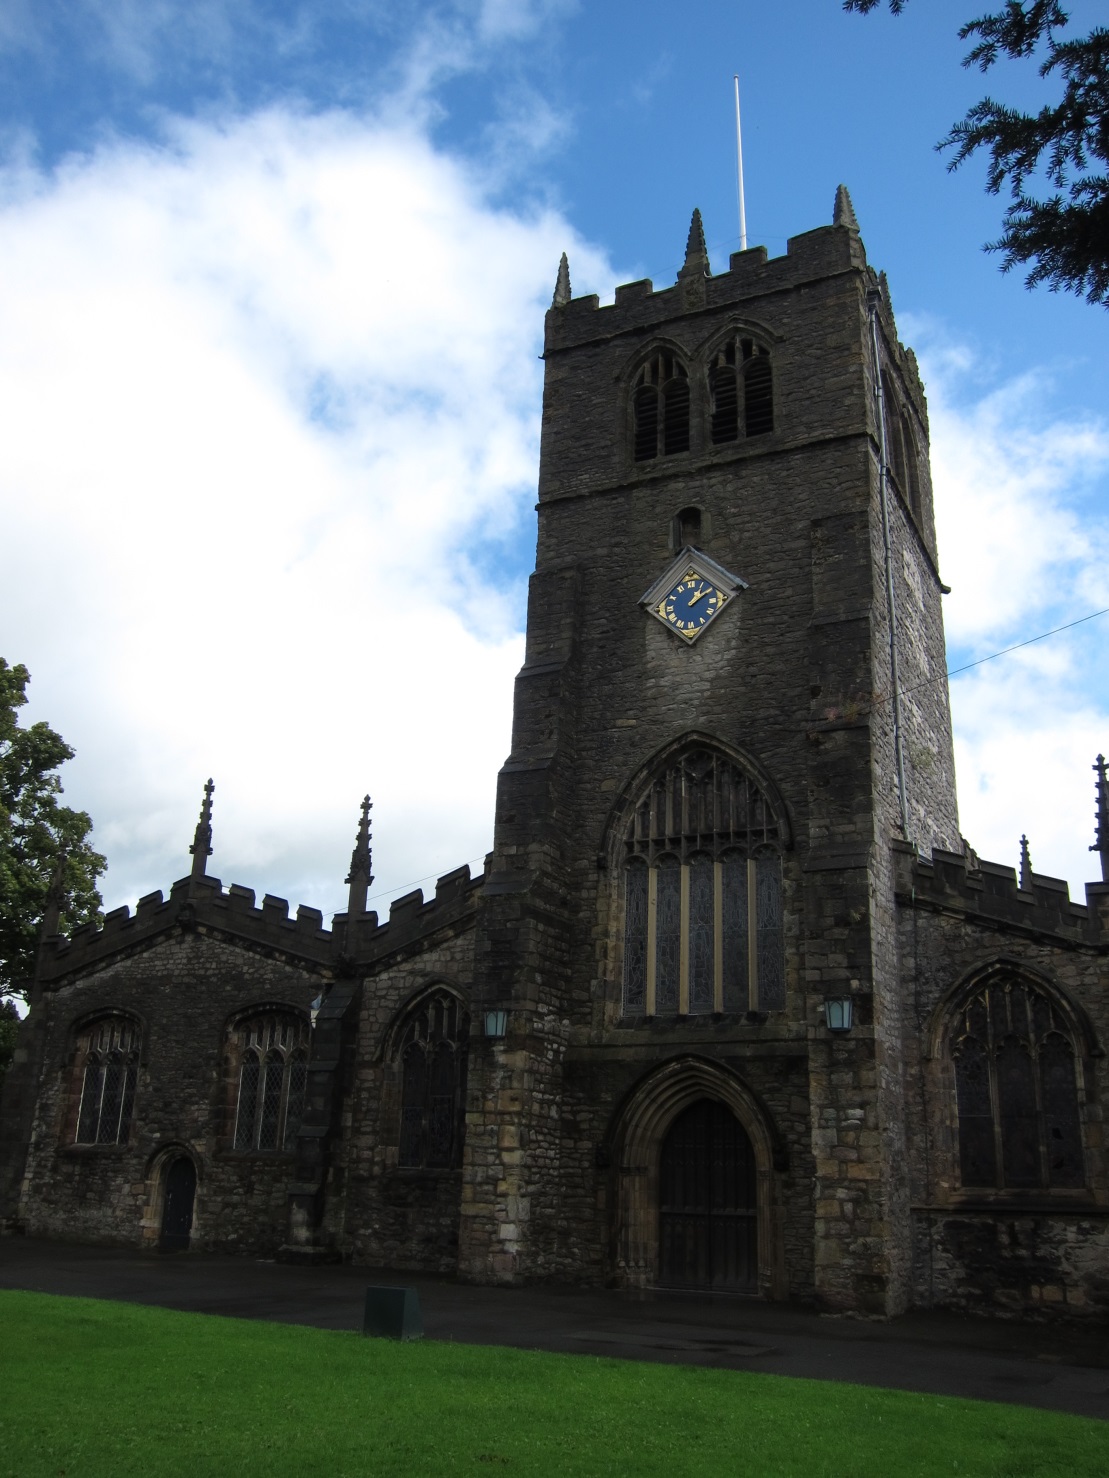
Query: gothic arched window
point(269, 1059)
point(703, 894)
point(1016, 1090)
point(107, 1062)
point(431, 1053)
point(741, 391)
point(660, 407)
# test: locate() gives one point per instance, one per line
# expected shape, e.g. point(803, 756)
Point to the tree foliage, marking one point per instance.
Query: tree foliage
point(43, 844)
point(1055, 162)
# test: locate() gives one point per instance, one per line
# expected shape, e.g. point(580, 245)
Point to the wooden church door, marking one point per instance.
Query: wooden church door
point(707, 1221)
point(177, 1213)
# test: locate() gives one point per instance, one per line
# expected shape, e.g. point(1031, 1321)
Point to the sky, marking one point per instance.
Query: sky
point(272, 284)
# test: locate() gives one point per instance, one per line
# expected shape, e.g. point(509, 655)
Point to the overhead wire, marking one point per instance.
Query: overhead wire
point(929, 682)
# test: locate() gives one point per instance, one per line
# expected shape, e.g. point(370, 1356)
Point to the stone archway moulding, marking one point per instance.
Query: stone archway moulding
point(642, 1126)
point(150, 1226)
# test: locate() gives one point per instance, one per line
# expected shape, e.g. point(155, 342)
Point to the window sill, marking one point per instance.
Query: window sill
point(1018, 1203)
point(745, 1018)
point(79, 1151)
point(265, 1156)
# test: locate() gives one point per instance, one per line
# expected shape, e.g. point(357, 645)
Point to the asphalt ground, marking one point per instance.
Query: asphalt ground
point(1055, 1366)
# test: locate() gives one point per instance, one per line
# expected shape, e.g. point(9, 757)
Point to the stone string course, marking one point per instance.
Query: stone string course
point(862, 1211)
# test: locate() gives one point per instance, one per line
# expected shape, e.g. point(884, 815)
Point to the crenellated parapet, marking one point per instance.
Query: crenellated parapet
point(990, 894)
point(751, 274)
point(202, 904)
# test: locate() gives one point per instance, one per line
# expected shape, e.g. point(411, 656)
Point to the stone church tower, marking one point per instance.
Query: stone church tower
point(733, 700)
point(732, 1007)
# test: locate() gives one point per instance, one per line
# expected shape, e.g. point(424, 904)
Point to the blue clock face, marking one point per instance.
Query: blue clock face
point(690, 605)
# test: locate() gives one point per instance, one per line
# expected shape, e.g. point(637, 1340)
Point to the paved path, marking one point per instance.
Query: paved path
point(1063, 1369)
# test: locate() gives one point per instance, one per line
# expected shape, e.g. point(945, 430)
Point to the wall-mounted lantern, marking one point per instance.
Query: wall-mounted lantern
point(496, 1023)
point(314, 1010)
point(837, 1013)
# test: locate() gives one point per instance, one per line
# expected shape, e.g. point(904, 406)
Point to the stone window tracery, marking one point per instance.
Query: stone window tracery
point(431, 1053)
point(703, 928)
point(107, 1062)
point(741, 391)
point(660, 408)
point(269, 1058)
point(1016, 1089)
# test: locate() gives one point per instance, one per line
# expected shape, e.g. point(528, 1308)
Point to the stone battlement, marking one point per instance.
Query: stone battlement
point(751, 274)
point(203, 903)
point(991, 894)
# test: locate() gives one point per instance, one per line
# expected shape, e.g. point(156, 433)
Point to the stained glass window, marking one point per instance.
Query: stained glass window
point(635, 940)
point(668, 935)
point(703, 880)
point(701, 944)
point(432, 1053)
point(768, 913)
point(1016, 1090)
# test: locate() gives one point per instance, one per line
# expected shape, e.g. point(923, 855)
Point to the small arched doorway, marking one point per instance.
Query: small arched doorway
point(177, 1205)
point(708, 1208)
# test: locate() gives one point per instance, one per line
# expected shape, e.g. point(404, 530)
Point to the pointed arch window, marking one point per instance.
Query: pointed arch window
point(1016, 1087)
point(660, 408)
point(268, 1061)
point(703, 925)
point(431, 1054)
point(741, 391)
point(107, 1066)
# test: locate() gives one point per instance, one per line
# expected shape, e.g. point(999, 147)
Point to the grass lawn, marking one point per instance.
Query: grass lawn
point(90, 1387)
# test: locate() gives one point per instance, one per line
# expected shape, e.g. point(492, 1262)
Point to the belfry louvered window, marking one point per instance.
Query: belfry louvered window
point(431, 1053)
point(703, 929)
point(741, 391)
point(108, 1061)
point(1016, 1090)
point(660, 406)
point(271, 1050)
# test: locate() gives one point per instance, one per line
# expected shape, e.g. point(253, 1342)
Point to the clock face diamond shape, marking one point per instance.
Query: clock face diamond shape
point(690, 604)
point(691, 594)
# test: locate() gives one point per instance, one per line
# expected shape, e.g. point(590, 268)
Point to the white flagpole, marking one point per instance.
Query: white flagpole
point(739, 172)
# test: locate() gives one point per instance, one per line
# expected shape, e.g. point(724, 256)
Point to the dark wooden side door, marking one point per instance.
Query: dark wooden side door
point(707, 1221)
point(177, 1213)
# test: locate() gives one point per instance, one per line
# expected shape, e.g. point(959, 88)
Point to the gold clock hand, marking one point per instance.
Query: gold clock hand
point(698, 596)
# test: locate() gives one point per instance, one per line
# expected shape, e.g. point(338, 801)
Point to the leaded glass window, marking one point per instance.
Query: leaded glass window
point(431, 1055)
point(703, 927)
point(1016, 1090)
point(108, 1062)
point(271, 1053)
point(635, 954)
point(668, 935)
point(701, 934)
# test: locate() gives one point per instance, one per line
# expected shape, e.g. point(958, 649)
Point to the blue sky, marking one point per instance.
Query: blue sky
point(272, 279)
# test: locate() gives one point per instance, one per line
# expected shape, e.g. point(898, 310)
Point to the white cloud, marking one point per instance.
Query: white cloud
point(1025, 549)
point(270, 405)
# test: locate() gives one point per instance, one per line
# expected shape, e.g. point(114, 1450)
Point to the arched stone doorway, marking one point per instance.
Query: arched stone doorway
point(695, 1195)
point(708, 1203)
point(177, 1204)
